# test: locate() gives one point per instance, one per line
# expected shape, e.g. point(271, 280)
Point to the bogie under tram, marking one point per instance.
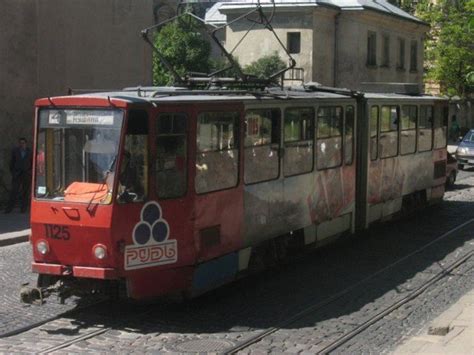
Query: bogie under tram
point(163, 191)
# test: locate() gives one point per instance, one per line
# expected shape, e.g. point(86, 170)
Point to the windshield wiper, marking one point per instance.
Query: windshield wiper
point(104, 182)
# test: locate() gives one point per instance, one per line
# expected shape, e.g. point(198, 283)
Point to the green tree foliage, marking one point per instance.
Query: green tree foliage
point(185, 48)
point(265, 66)
point(406, 5)
point(449, 49)
point(221, 63)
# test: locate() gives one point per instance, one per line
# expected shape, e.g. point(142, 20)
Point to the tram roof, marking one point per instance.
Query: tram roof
point(173, 94)
point(170, 94)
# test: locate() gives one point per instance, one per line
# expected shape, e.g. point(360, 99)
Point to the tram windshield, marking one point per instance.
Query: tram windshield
point(76, 154)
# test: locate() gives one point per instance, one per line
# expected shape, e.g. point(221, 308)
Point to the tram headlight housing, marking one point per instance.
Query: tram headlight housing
point(42, 247)
point(100, 251)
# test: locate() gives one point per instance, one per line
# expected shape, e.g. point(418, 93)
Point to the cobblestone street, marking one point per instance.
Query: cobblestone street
point(223, 318)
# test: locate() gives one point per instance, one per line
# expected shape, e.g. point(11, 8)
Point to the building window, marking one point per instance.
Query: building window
point(401, 54)
point(414, 56)
point(371, 48)
point(293, 42)
point(386, 51)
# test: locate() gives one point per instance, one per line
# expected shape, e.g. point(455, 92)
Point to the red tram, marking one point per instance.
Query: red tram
point(161, 191)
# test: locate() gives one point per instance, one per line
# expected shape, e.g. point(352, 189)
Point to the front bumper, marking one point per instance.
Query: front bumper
point(465, 160)
point(75, 271)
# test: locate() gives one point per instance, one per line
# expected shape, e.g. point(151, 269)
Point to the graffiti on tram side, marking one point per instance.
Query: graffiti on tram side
point(151, 246)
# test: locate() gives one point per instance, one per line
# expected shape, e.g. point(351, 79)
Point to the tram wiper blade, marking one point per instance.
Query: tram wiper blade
point(104, 182)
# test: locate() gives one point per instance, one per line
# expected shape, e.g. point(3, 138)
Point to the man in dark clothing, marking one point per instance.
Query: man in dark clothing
point(20, 168)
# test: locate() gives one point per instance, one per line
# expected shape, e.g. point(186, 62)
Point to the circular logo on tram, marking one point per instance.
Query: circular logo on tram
point(152, 228)
point(151, 246)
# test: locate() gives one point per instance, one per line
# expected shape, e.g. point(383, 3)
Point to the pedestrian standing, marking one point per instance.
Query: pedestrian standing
point(20, 169)
point(455, 129)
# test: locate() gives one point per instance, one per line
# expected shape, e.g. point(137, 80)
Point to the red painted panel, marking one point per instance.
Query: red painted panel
point(83, 101)
point(147, 283)
point(50, 269)
point(94, 272)
point(72, 230)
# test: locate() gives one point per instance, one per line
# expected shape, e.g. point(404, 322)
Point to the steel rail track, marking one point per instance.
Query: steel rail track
point(75, 340)
point(320, 305)
point(346, 337)
point(80, 338)
point(50, 319)
point(378, 316)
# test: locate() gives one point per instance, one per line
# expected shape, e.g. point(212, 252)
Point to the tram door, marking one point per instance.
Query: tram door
point(218, 184)
point(171, 178)
point(132, 185)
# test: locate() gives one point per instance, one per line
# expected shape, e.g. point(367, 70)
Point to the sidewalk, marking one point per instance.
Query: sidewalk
point(14, 227)
point(451, 333)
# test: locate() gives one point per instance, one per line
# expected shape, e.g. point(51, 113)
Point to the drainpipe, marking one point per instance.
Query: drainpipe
point(335, 63)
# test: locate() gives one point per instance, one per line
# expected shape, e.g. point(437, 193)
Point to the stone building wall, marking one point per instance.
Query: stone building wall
point(48, 46)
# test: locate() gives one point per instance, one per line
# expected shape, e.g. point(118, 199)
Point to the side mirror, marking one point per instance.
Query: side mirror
point(459, 139)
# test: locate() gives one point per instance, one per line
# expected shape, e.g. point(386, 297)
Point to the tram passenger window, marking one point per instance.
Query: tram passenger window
point(299, 141)
point(349, 135)
point(170, 165)
point(408, 129)
point(217, 151)
point(329, 137)
point(133, 175)
point(388, 143)
point(374, 128)
point(262, 141)
point(425, 131)
point(440, 127)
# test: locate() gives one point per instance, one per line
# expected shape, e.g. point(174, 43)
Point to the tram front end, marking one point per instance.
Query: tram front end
point(75, 168)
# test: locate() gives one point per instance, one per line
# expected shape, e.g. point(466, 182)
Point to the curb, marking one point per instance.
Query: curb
point(15, 238)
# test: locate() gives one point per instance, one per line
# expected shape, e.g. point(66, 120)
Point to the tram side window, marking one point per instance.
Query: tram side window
point(217, 160)
point(171, 158)
point(408, 129)
point(388, 143)
point(349, 135)
point(262, 141)
point(374, 128)
point(329, 137)
point(425, 131)
point(133, 176)
point(299, 141)
point(440, 126)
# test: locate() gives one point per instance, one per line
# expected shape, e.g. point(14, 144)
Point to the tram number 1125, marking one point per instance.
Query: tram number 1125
point(54, 231)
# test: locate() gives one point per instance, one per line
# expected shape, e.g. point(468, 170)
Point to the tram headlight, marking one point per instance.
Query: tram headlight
point(100, 251)
point(42, 247)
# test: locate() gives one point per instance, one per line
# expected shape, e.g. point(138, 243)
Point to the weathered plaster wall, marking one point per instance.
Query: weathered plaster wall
point(341, 64)
point(48, 46)
point(352, 49)
point(323, 47)
point(260, 42)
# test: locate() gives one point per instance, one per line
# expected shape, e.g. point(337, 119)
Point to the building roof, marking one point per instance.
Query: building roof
point(217, 14)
